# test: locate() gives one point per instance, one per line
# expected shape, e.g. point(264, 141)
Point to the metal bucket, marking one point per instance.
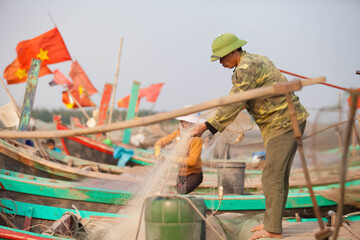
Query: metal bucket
point(231, 175)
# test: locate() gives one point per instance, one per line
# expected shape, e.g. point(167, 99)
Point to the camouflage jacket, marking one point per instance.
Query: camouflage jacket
point(271, 113)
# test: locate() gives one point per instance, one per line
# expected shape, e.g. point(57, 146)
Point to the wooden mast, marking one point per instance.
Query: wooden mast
point(115, 83)
point(16, 106)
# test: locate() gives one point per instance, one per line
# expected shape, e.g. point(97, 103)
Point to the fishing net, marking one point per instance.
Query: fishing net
point(219, 146)
point(324, 136)
point(160, 180)
point(162, 177)
point(233, 226)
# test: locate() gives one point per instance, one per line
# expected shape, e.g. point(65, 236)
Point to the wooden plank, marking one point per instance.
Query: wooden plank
point(300, 231)
point(131, 110)
point(31, 84)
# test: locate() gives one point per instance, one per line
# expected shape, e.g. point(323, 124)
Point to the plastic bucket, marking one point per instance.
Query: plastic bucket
point(174, 219)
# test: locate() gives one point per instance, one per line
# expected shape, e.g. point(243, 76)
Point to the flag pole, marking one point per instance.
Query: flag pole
point(52, 19)
point(16, 106)
point(115, 84)
point(76, 102)
point(78, 105)
point(152, 109)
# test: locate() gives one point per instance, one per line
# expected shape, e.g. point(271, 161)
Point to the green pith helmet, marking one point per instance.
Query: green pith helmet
point(225, 44)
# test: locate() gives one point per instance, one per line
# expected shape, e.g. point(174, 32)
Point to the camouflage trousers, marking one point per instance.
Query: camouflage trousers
point(280, 153)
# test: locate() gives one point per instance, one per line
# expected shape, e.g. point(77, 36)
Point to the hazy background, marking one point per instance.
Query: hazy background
point(170, 41)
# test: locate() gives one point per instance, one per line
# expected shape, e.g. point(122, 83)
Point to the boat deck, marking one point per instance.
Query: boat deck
point(307, 230)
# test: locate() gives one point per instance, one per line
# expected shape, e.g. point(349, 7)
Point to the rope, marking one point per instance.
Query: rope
point(6, 216)
point(8, 222)
point(12, 215)
point(326, 84)
point(326, 128)
point(139, 224)
point(221, 188)
point(37, 225)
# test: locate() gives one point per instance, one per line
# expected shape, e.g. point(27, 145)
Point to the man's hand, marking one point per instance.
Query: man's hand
point(199, 130)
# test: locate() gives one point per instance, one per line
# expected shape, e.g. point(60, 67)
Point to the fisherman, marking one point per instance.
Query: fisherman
point(50, 144)
point(271, 115)
point(190, 168)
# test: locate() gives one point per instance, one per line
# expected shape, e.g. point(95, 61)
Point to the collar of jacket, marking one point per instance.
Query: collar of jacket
point(241, 57)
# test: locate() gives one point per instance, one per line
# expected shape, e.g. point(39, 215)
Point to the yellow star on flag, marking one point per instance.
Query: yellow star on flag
point(21, 73)
point(43, 55)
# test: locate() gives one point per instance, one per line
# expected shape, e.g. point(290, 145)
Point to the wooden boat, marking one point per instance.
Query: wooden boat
point(38, 218)
point(19, 157)
point(57, 193)
point(13, 233)
point(305, 229)
point(21, 187)
point(25, 159)
point(46, 191)
point(319, 177)
point(86, 148)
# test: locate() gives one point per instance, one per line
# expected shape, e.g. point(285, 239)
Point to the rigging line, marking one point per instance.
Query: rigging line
point(327, 84)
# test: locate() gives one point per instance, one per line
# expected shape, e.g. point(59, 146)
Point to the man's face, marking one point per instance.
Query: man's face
point(229, 61)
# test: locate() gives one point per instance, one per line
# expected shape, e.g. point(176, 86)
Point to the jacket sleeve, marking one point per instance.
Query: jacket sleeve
point(194, 152)
point(244, 79)
point(168, 139)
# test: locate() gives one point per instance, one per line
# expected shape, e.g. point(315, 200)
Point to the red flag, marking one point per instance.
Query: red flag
point(67, 100)
point(358, 102)
point(49, 47)
point(60, 78)
point(153, 92)
point(80, 79)
point(15, 74)
point(124, 103)
point(83, 100)
point(105, 102)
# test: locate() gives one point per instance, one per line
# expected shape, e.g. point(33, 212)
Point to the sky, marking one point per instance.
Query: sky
point(169, 42)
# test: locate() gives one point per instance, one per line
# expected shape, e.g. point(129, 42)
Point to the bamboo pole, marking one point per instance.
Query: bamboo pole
point(324, 232)
point(76, 102)
point(343, 168)
point(16, 106)
point(279, 88)
point(78, 105)
point(152, 109)
point(115, 82)
point(353, 151)
point(356, 133)
point(339, 137)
